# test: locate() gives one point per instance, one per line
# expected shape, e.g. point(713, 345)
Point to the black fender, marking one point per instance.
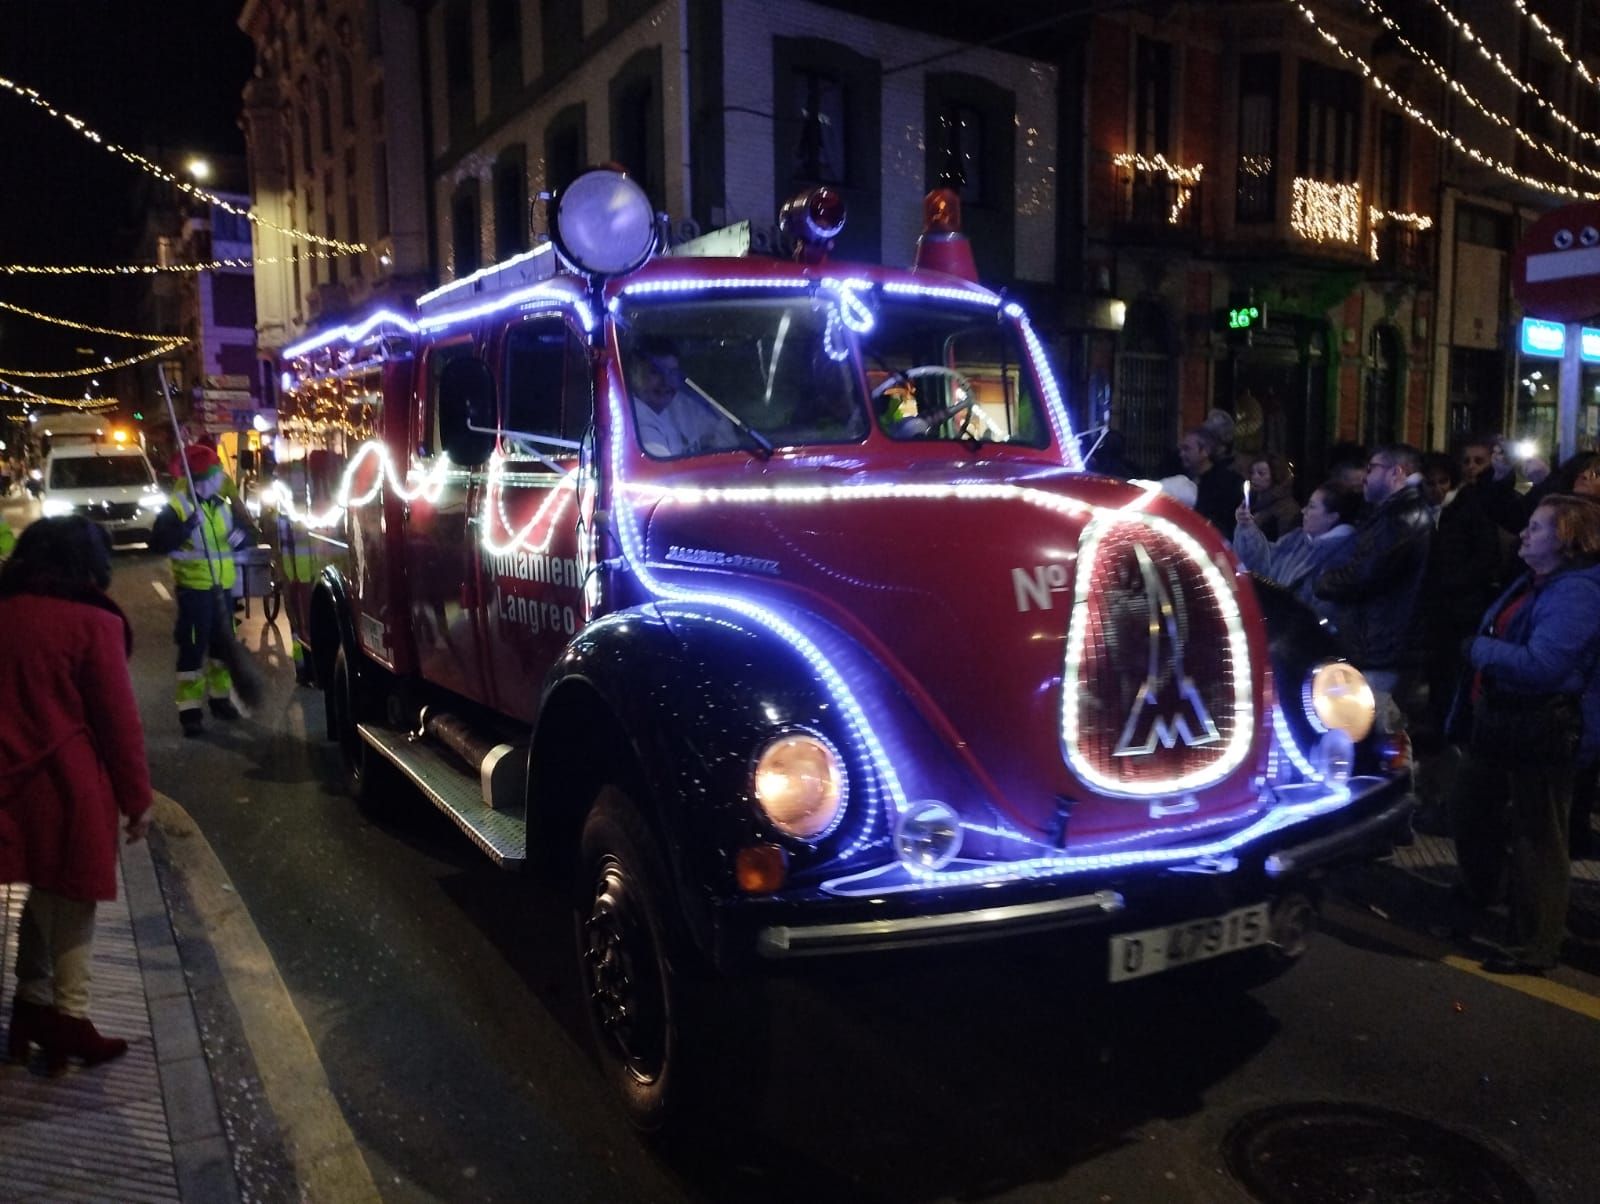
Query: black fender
point(692, 698)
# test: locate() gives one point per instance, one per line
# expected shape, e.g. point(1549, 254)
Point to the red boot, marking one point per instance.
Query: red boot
point(75, 1037)
point(28, 1024)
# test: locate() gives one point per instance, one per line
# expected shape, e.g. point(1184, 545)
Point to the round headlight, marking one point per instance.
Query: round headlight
point(604, 223)
point(800, 784)
point(1341, 700)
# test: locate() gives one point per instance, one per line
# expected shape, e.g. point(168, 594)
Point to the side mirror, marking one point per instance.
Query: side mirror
point(467, 411)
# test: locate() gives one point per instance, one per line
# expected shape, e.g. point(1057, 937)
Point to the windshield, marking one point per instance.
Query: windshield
point(99, 472)
point(741, 372)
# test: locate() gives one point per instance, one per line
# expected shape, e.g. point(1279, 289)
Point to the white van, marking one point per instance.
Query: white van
point(110, 483)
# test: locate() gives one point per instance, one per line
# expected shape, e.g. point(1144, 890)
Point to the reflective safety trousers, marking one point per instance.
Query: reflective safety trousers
point(205, 558)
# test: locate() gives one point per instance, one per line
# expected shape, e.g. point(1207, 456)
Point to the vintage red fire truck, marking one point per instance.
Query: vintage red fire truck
point(768, 601)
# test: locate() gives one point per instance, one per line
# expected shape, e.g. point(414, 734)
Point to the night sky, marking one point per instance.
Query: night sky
point(149, 76)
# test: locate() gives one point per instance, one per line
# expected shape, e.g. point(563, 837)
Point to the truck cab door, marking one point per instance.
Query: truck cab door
point(529, 531)
point(440, 541)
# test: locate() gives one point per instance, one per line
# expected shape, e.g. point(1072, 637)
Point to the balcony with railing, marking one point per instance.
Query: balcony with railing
point(1402, 249)
point(1155, 200)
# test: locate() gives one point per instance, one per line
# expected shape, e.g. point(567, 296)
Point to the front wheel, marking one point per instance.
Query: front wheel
point(348, 706)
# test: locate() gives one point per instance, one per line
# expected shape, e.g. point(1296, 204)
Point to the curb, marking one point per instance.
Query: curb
point(201, 1156)
point(327, 1163)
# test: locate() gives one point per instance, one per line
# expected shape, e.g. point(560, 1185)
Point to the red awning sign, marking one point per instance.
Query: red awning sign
point(1556, 270)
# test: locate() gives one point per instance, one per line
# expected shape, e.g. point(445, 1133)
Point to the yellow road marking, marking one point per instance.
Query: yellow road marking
point(1547, 990)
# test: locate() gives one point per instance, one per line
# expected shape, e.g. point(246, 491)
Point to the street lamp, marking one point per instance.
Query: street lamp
point(199, 168)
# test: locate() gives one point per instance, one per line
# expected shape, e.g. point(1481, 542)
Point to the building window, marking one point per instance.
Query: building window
point(325, 118)
point(1257, 168)
point(347, 94)
point(1330, 124)
point(505, 49)
point(817, 102)
point(458, 69)
point(565, 147)
point(466, 246)
point(1391, 161)
point(1152, 119)
point(311, 224)
point(971, 147)
point(352, 210)
point(827, 130)
point(380, 188)
point(511, 203)
point(305, 129)
point(1483, 227)
point(561, 27)
point(636, 133)
point(233, 299)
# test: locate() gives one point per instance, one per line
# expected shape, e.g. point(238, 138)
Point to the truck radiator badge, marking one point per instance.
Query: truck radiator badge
point(1167, 708)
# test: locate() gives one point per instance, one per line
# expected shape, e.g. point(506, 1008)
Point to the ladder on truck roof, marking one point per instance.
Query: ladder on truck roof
point(520, 271)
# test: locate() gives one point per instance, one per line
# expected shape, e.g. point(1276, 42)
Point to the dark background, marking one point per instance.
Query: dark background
point(161, 78)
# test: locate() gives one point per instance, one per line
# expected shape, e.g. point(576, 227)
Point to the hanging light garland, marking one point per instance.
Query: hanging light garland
point(151, 269)
point(1186, 178)
point(94, 370)
point(1470, 36)
point(1427, 123)
point(1554, 39)
point(162, 173)
point(1376, 217)
point(71, 325)
point(1499, 119)
point(75, 403)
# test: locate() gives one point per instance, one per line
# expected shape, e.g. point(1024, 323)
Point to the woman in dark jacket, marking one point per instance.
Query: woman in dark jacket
point(71, 762)
point(1532, 665)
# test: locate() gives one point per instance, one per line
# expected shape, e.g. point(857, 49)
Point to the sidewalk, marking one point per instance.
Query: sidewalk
point(145, 1127)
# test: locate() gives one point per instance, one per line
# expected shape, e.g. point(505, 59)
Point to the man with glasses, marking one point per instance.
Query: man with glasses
point(1376, 583)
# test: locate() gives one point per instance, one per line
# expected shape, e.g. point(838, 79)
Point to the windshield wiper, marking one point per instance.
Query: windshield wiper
point(759, 443)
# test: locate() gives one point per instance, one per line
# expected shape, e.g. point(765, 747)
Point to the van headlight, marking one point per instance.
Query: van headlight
point(1338, 699)
point(53, 507)
point(799, 782)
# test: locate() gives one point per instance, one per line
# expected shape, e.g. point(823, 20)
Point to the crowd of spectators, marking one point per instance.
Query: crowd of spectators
point(1466, 588)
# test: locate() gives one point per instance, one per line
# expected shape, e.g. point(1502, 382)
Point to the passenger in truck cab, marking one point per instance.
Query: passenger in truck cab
point(673, 420)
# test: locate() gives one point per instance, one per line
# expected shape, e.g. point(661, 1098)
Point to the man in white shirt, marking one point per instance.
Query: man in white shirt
point(672, 420)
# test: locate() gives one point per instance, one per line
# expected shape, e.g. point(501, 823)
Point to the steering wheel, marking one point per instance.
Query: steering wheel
point(921, 424)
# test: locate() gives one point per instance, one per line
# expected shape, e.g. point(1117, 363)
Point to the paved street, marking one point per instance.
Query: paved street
point(436, 993)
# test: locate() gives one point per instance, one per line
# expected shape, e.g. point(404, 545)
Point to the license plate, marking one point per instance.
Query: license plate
point(1138, 954)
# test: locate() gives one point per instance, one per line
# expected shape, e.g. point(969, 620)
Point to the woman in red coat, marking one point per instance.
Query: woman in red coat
point(71, 762)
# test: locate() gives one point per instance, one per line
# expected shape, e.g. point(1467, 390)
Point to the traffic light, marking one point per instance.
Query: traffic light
point(138, 416)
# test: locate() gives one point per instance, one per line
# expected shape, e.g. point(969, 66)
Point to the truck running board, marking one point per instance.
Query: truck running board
point(455, 792)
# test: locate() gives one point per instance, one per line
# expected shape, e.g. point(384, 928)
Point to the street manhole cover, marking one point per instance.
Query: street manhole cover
point(1323, 1153)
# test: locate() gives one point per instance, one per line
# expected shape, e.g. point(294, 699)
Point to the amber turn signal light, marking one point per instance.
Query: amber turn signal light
point(761, 869)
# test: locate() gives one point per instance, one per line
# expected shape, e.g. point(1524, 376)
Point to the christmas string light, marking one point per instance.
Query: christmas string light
point(1186, 178)
point(75, 403)
point(1326, 212)
point(1427, 123)
point(151, 269)
point(161, 173)
point(1417, 221)
point(1470, 36)
point(1551, 37)
point(1499, 119)
point(71, 325)
point(94, 370)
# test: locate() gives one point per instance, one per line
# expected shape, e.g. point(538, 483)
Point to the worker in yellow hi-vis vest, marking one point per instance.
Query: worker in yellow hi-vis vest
point(200, 532)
